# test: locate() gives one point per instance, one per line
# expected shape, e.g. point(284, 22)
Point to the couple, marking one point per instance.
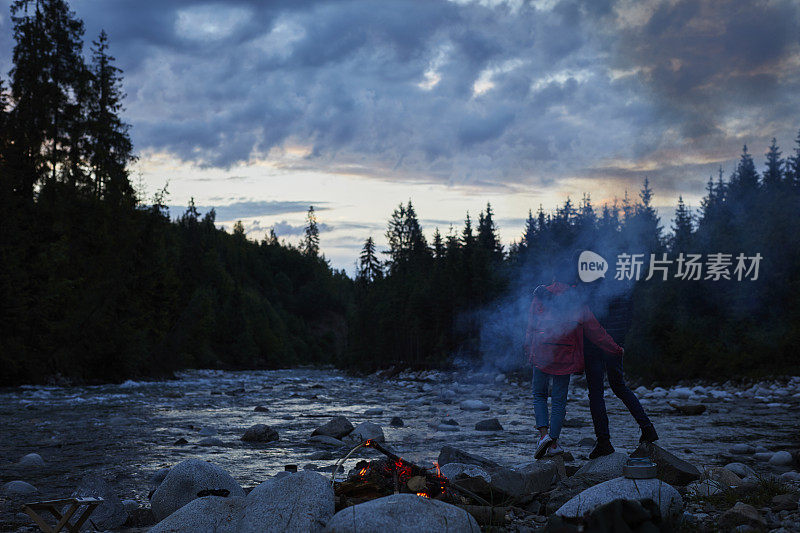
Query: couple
point(563, 338)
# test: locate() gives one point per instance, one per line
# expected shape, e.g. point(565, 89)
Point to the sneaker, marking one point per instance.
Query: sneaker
point(555, 449)
point(601, 448)
point(541, 448)
point(648, 434)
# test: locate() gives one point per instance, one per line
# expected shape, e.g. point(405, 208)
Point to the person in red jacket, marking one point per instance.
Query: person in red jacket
point(557, 322)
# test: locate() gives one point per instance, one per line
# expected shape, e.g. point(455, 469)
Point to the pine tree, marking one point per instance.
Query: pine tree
point(369, 268)
point(111, 148)
point(487, 240)
point(773, 175)
point(310, 242)
point(238, 229)
point(467, 235)
point(682, 228)
point(529, 233)
point(793, 165)
point(744, 182)
point(438, 247)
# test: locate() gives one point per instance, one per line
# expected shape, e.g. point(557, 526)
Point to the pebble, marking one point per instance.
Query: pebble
point(373, 412)
point(762, 456)
point(210, 441)
point(31, 460)
point(781, 458)
point(790, 476)
point(396, 422)
point(473, 405)
point(742, 448)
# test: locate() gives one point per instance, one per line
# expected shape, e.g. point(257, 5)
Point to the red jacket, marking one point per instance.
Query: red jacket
point(554, 340)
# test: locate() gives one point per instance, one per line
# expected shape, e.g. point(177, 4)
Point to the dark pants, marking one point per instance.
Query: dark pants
point(598, 363)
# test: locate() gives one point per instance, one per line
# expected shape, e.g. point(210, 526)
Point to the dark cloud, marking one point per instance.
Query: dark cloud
point(462, 93)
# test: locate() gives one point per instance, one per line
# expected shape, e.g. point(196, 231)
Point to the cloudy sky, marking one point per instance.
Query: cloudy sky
point(261, 108)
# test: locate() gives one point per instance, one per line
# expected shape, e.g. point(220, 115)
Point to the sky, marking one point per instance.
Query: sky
point(263, 108)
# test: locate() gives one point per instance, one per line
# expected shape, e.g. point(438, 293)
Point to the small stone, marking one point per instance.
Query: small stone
point(491, 424)
point(586, 442)
point(326, 440)
point(784, 502)
point(337, 427)
point(575, 423)
point(790, 476)
point(321, 456)
point(211, 441)
point(741, 470)
point(781, 459)
point(762, 456)
point(260, 433)
point(396, 422)
point(19, 488)
point(689, 409)
point(367, 431)
point(742, 449)
point(373, 412)
point(261, 409)
point(450, 422)
point(740, 514)
point(446, 427)
point(180, 442)
point(473, 405)
point(31, 460)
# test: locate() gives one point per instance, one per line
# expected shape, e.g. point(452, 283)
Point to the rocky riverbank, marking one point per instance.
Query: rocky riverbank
point(740, 443)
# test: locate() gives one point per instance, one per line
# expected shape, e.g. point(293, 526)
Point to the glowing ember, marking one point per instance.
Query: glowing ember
point(423, 495)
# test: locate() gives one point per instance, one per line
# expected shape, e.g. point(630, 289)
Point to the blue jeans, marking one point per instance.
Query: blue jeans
point(598, 363)
point(541, 384)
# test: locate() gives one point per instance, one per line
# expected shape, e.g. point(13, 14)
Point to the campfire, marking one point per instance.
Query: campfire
point(393, 474)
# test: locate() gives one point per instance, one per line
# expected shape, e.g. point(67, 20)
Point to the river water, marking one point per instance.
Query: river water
point(126, 432)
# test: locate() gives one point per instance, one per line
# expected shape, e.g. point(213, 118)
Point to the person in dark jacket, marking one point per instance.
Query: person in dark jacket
point(615, 317)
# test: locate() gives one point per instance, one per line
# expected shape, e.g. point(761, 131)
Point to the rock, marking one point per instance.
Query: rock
point(460, 470)
point(586, 442)
point(618, 515)
point(473, 405)
point(741, 470)
point(524, 479)
point(130, 505)
point(367, 431)
point(211, 513)
point(261, 409)
point(781, 459)
point(741, 514)
point(327, 441)
point(724, 477)
point(689, 409)
point(450, 422)
point(321, 456)
point(373, 412)
point(668, 499)
point(570, 487)
point(491, 424)
point(742, 449)
point(790, 476)
point(670, 468)
point(157, 477)
point(336, 427)
point(302, 501)
point(211, 441)
point(396, 422)
point(19, 488)
point(287, 417)
point(185, 480)
point(784, 502)
point(605, 467)
point(260, 433)
point(180, 442)
point(207, 432)
point(763, 456)
point(707, 487)
point(140, 517)
point(575, 423)
point(450, 454)
point(446, 427)
point(32, 460)
point(399, 513)
point(110, 514)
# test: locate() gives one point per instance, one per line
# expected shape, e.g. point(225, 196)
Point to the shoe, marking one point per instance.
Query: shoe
point(554, 450)
point(541, 448)
point(648, 434)
point(601, 448)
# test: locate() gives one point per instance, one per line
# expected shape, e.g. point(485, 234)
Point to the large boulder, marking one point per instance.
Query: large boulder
point(185, 480)
point(399, 513)
point(454, 455)
point(668, 499)
point(741, 514)
point(454, 471)
point(570, 487)
point(110, 514)
point(618, 515)
point(211, 513)
point(337, 427)
point(523, 480)
point(366, 431)
point(605, 467)
point(260, 433)
point(18, 488)
point(289, 502)
point(670, 468)
point(303, 501)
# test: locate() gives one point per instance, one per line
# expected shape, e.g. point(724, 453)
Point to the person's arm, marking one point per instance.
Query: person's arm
point(599, 336)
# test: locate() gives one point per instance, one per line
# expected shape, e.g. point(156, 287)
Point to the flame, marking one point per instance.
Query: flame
point(363, 471)
point(368, 442)
point(423, 495)
point(438, 470)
